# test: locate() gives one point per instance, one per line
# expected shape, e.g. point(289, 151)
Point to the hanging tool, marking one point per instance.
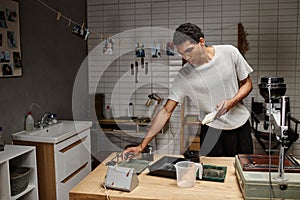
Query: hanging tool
point(146, 68)
point(132, 69)
point(142, 62)
point(136, 71)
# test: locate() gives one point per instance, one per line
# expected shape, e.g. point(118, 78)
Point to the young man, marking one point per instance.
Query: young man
point(212, 75)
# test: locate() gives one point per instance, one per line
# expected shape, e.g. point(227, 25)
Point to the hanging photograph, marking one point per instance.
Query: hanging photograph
point(170, 49)
point(108, 46)
point(155, 51)
point(10, 48)
point(80, 31)
point(139, 50)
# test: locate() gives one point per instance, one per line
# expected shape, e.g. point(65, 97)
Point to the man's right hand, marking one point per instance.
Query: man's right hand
point(131, 152)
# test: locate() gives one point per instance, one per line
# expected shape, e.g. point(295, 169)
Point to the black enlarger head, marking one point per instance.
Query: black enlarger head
point(273, 87)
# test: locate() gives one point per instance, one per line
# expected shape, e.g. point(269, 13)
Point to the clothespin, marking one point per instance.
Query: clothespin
point(58, 16)
point(87, 34)
point(82, 26)
point(70, 22)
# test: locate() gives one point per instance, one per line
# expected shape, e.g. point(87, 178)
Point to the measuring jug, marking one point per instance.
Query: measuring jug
point(186, 173)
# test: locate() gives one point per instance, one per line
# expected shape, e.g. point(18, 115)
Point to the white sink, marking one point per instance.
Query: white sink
point(53, 133)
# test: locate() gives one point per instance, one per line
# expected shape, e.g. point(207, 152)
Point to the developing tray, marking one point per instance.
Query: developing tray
point(138, 165)
point(164, 167)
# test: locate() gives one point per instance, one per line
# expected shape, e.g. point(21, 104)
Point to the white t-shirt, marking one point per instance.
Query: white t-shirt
point(209, 84)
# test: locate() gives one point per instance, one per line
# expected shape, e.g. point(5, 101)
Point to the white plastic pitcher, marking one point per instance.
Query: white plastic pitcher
point(186, 173)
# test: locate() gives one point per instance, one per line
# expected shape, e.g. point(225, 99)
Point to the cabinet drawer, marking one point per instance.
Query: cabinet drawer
point(70, 182)
point(71, 154)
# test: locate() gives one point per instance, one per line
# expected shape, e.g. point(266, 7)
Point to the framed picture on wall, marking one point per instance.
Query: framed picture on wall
point(10, 50)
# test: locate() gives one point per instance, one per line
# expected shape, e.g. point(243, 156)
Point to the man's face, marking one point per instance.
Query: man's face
point(190, 51)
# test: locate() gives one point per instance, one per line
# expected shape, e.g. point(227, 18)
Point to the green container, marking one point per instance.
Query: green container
point(213, 173)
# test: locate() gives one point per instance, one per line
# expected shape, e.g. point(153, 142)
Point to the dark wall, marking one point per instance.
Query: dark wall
point(51, 57)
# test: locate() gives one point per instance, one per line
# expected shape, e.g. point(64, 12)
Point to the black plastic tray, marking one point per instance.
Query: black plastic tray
point(164, 167)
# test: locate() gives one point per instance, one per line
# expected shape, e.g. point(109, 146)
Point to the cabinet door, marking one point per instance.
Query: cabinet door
point(69, 183)
point(72, 154)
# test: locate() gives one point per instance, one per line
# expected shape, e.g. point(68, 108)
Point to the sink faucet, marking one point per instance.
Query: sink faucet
point(46, 117)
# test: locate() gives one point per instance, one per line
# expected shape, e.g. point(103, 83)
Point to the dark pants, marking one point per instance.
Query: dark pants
point(215, 142)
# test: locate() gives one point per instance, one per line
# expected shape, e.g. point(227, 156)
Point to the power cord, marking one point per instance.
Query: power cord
point(105, 191)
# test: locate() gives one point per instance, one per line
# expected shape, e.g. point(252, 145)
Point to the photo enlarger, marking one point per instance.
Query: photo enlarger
point(275, 175)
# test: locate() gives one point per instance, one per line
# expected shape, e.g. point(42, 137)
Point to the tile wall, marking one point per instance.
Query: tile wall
point(273, 33)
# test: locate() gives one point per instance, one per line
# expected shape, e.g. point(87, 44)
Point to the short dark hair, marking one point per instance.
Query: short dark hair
point(187, 31)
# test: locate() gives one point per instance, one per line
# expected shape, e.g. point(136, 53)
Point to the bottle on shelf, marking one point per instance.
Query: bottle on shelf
point(130, 110)
point(107, 112)
point(29, 123)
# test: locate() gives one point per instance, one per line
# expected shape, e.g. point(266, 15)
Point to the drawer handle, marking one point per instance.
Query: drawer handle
point(73, 145)
point(74, 173)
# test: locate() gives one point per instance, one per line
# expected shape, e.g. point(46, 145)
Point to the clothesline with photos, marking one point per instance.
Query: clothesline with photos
point(84, 32)
point(78, 29)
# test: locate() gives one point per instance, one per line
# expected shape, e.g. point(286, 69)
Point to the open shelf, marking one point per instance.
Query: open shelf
point(28, 189)
point(19, 156)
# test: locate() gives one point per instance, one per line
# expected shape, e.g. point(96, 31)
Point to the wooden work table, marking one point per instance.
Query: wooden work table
point(152, 187)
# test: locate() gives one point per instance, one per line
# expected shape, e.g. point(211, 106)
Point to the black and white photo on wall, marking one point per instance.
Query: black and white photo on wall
point(7, 70)
point(5, 57)
point(2, 19)
point(11, 15)
point(11, 41)
point(10, 50)
point(1, 40)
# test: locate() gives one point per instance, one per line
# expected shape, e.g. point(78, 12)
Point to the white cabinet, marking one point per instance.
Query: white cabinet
point(72, 163)
point(18, 156)
point(62, 165)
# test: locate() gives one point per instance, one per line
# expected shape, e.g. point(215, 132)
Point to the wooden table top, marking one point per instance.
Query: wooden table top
point(152, 187)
